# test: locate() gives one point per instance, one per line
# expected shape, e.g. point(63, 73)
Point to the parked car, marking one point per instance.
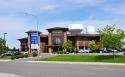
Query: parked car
point(121, 49)
point(10, 53)
point(103, 50)
point(84, 50)
point(24, 52)
point(109, 50)
point(87, 50)
point(2, 55)
point(80, 51)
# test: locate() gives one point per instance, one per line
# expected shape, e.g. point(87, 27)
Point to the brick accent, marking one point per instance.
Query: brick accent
point(50, 42)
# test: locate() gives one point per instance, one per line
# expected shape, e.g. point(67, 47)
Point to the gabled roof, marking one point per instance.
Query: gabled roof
point(23, 38)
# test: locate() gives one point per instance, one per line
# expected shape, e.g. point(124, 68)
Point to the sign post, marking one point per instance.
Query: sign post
point(33, 42)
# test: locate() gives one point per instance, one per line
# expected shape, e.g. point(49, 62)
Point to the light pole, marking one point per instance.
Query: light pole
point(37, 20)
point(37, 24)
point(5, 36)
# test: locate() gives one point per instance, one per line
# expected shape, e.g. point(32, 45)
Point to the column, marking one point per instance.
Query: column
point(29, 47)
point(65, 37)
point(39, 45)
point(20, 49)
point(50, 42)
point(77, 44)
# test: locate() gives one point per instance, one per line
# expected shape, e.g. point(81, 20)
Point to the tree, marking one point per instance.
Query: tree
point(67, 45)
point(3, 48)
point(93, 46)
point(14, 49)
point(111, 37)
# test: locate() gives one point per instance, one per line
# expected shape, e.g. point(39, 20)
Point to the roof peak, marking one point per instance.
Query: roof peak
point(33, 31)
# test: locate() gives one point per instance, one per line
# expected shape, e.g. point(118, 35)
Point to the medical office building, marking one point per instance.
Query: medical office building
point(54, 40)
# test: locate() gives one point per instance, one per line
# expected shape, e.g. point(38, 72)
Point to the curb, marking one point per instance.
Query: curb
point(85, 63)
point(5, 60)
point(9, 75)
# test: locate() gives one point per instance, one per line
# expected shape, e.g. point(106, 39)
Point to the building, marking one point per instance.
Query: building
point(56, 37)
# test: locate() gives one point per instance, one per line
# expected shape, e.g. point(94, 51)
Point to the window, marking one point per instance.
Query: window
point(57, 32)
point(57, 40)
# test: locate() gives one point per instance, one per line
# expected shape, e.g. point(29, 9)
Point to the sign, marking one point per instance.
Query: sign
point(34, 40)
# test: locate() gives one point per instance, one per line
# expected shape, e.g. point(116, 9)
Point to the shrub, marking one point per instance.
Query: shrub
point(34, 54)
point(26, 55)
point(67, 45)
point(124, 53)
point(61, 52)
point(93, 46)
point(13, 57)
point(19, 56)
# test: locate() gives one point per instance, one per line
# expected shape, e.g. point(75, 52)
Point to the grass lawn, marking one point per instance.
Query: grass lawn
point(87, 58)
point(5, 58)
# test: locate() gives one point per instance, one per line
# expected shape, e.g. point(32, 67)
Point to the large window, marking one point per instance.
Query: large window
point(57, 32)
point(57, 40)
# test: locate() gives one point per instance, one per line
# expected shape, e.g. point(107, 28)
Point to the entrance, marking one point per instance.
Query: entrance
point(57, 48)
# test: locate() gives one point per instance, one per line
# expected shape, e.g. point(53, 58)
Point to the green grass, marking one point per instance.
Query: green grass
point(5, 58)
point(87, 58)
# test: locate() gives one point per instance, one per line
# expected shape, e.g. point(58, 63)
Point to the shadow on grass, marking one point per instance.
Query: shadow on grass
point(105, 57)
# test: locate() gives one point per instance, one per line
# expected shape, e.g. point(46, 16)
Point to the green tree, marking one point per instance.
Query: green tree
point(111, 37)
point(67, 45)
point(3, 48)
point(93, 46)
point(14, 49)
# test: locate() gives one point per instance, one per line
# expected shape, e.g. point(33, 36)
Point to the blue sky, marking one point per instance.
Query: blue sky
point(19, 16)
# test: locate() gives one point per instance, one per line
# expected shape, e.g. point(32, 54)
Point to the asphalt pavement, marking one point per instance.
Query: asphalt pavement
point(36, 69)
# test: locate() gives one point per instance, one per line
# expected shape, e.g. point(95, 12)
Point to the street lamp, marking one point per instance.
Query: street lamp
point(5, 36)
point(37, 20)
